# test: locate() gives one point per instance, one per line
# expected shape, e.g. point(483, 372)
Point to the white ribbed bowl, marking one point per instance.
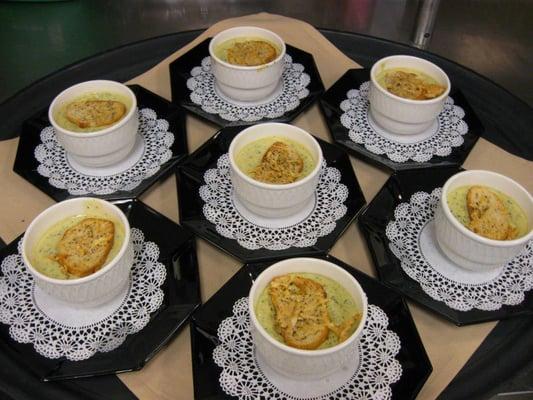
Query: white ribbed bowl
point(104, 147)
point(271, 200)
point(243, 83)
point(305, 364)
point(468, 249)
point(91, 290)
point(404, 116)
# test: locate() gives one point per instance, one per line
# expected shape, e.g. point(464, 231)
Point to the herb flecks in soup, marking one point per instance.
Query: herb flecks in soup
point(92, 112)
point(275, 159)
point(249, 52)
point(488, 212)
point(307, 311)
point(409, 83)
point(78, 246)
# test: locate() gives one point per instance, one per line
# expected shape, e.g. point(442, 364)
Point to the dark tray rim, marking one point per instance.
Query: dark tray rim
point(196, 32)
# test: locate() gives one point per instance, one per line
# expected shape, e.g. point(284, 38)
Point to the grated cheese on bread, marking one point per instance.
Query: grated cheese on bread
point(95, 113)
point(84, 247)
point(488, 215)
point(281, 164)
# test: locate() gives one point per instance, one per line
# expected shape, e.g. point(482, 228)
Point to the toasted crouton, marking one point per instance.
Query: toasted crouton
point(488, 215)
point(408, 85)
point(251, 53)
point(84, 248)
point(301, 311)
point(95, 113)
point(281, 164)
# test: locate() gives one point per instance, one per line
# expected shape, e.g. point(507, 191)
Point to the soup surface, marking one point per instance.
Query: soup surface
point(267, 161)
point(247, 51)
point(488, 208)
point(93, 111)
point(409, 83)
point(45, 255)
point(342, 310)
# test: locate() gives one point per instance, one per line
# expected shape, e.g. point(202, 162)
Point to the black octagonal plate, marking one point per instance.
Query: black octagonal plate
point(416, 366)
point(373, 222)
point(190, 177)
point(352, 79)
point(181, 297)
point(180, 72)
point(26, 164)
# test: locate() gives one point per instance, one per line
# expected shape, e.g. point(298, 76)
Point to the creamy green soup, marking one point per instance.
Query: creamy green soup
point(250, 155)
point(221, 51)
point(456, 200)
point(42, 255)
point(341, 306)
point(61, 119)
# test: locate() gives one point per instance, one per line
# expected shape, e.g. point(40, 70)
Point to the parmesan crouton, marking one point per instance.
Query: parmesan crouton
point(84, 248)
point(488, 215)
point(95, 113)
point(281, 164)
point(251, 53)
point(301, 311)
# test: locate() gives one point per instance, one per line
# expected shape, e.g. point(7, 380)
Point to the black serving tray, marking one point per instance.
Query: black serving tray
point(181, 297)
point(416, 366)
point(352, 79)
point(26, 164)
point(373, 222)
point(190, 179)
point(180, 72)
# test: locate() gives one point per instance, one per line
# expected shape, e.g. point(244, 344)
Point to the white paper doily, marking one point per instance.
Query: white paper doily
point(439, 140)
point(151, 150)
point(204, 93)
point(58, 330)
point(244, 377)
point(252, 232)
point(413, 242)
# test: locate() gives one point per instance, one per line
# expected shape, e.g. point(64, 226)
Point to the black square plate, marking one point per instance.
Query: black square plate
point(373, 222)
point(26, 164)
point(180, 72)
point(181, 297)
point(190, 177)
point(352, 79)
point(204, 323)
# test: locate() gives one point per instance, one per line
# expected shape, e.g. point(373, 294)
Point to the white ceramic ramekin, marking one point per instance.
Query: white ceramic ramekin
point(404, 116)
point(243, 83)
point(468, 249)
point(305, 364)
point(93, 289)
point(271, 200)
point(104, 147)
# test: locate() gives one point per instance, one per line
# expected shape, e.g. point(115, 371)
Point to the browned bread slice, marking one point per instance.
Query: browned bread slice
point(251, 53)
point(409, 85)
point(84, 248)
point(301, 311)
point(95, 113)
point(488, 215)
point(281, 164)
